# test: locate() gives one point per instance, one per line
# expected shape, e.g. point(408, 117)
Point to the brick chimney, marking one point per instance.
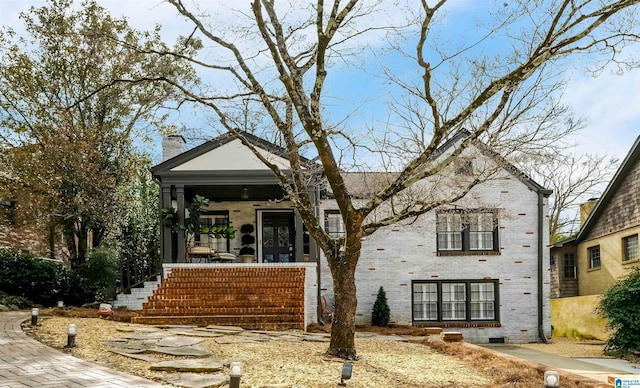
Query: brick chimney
point(173, 145)
point(586, 208)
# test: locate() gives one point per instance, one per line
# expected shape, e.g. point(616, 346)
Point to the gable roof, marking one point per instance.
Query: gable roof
point(361, 181)
point(485, 150)
point(215, 143)
point(361, 184)
point(625, 168)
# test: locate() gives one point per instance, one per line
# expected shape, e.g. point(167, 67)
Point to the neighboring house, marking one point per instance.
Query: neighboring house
point(479, 266)
point(33, 238)
point(564, 269)
point(607, 243)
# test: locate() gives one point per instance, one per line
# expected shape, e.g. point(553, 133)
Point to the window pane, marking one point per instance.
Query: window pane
point(453, 301)
point(482, 301)
point(594, 257)
point(569, 266)
point(481, 227)
point(449, 228)
point(630, 245)
point(333, 224)
point(425, 301)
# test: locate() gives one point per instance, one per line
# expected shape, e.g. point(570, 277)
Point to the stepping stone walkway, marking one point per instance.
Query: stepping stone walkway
point(200, 370)
point(200, 365)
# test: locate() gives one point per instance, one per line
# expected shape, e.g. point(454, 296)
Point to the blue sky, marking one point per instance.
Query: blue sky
point(609, 103)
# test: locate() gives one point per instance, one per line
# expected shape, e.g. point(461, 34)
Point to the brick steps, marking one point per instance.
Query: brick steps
point(255, 322)
point(253, 298)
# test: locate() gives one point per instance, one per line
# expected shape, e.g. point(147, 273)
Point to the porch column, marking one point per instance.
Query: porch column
point(299, 239)
point(165, 231)
point(181, 248)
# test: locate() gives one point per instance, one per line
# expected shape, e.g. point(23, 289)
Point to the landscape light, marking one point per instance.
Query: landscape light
point(551, 379)
point(347, 369)
point(235, 374)
point(34, 316)
point(71, 335)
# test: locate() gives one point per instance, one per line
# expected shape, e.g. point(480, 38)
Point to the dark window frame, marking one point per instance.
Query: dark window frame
point(217, 215)
point(570, 266)
point(468, 301)
point(594, 256)
point(328, 213)
point(466, 232)
point(626, 251)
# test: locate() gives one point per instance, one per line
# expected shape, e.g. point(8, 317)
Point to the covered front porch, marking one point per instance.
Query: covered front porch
point(277, 233)
point(243, 193)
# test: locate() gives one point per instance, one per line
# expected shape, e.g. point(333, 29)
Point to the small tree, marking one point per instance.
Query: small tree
point(381, 313)
point(619, 306)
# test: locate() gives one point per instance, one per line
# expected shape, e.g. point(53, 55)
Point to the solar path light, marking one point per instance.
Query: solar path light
point(34, 316)
point(71, 335)
point(235, 374)
point(551, 379)
point(347, 369)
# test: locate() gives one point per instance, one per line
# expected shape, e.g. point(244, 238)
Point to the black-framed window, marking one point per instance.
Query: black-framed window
point(594, 256)
point(214, 218)
point(570, 266)
point(455, 301)
point(333, 224)
point(630, 248)
point(467, 230)
point(8, 210)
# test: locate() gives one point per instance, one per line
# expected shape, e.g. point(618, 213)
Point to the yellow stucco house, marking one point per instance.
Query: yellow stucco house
point(607, 244)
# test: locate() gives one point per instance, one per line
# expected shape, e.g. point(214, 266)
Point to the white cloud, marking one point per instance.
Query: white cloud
point(611, 106)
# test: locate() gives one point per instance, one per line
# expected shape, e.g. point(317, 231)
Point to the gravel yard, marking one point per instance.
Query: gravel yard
point(296, 363)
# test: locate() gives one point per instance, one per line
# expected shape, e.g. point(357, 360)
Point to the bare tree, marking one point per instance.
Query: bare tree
point(498, 84)
point(573, 179)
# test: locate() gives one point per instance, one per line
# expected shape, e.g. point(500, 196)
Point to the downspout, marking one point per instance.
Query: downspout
point(541, 267)
point(319, 288)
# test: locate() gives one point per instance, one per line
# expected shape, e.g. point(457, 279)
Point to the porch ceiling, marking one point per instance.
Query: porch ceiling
point(234, 192)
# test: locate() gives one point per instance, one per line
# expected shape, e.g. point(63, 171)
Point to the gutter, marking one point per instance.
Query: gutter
point(540, 268)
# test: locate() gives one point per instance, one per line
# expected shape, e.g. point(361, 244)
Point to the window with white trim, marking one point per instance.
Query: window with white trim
point(449, 232)
point(455, 301)
point(470, 230)
point(333, 224)
point(594, 256)
point(630, 248)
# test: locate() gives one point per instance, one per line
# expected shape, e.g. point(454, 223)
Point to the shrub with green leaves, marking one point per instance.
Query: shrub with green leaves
point(40, 281)
point(100, 272)
point(619, 306)
point(35, 279)
point(381, 313)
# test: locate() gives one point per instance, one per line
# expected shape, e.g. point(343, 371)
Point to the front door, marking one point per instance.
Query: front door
point(277, 237)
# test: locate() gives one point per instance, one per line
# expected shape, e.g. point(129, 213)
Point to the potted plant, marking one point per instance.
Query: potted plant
point(247, 251)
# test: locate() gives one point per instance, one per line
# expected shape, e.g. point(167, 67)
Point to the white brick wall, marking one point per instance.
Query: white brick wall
point(395, 256)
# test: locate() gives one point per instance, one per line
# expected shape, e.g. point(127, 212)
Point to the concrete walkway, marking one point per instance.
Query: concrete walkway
point(593, 368)
point(25, 362)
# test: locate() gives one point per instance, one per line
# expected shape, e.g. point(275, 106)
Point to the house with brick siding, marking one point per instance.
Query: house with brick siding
point(607, 243)
point(478, 266)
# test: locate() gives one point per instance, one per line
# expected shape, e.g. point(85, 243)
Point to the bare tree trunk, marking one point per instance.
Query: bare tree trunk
point(343, 270)
point(343, 325)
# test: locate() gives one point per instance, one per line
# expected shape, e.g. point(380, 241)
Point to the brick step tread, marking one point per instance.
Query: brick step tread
point(237, 316)
point(203, 321)
point(222, 311)
point(225, 287)
point(227, 278)
point(234, 283)
point(223, 303)
point(236, 270)
point(256, 294)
